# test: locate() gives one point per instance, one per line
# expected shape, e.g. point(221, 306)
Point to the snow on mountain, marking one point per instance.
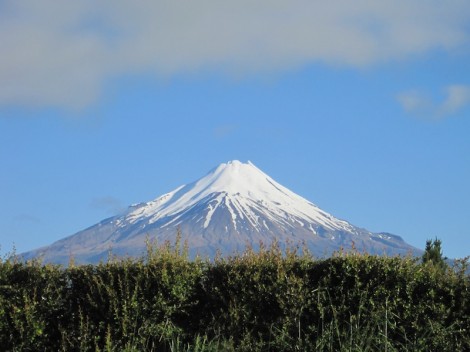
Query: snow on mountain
point(234, 205)
point(242, 189)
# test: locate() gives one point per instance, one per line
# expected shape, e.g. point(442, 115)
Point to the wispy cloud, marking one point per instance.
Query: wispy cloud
point(27, 218)
point(60, 53)
point(414, 101)
point(223, 131)
point(456, 98)
point(109, 204)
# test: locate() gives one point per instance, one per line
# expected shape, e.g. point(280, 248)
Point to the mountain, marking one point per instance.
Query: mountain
point(234, 205)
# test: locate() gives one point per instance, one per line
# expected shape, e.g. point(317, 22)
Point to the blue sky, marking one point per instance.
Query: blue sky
point(363, 108)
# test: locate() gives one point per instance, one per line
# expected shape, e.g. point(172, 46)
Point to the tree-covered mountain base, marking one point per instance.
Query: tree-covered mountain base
point(263, 301)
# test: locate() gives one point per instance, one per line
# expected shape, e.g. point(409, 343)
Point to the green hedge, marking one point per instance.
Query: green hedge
point(265, 301)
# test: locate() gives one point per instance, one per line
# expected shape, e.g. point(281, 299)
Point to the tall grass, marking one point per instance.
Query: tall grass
point(257, 301)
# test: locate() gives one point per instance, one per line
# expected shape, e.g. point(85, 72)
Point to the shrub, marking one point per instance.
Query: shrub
point(265, 301)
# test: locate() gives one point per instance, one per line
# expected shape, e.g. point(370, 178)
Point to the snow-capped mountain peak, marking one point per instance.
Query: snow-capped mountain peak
point(234, 205)
point(245, 191)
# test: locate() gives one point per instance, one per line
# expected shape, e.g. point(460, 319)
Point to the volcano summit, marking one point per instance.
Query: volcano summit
point(234, 205)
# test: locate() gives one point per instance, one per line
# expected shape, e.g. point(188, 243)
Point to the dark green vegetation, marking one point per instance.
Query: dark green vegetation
point(433, 254)
point(262, 301)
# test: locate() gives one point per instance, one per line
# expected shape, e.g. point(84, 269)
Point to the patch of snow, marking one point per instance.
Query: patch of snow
point(211, 212)
point(242, 188)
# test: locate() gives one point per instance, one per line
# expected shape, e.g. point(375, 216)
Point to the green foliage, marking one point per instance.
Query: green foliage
point(433, 254)
point(265, 301)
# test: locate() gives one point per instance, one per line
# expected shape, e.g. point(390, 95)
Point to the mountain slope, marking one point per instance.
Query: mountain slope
point(234, 205)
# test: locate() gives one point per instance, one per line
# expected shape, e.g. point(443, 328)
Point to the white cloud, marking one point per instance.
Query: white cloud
point(456, 98)
point(61, 53)
point(414, 102)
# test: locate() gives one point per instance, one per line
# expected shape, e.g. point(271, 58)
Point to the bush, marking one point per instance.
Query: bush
point(264, 301)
